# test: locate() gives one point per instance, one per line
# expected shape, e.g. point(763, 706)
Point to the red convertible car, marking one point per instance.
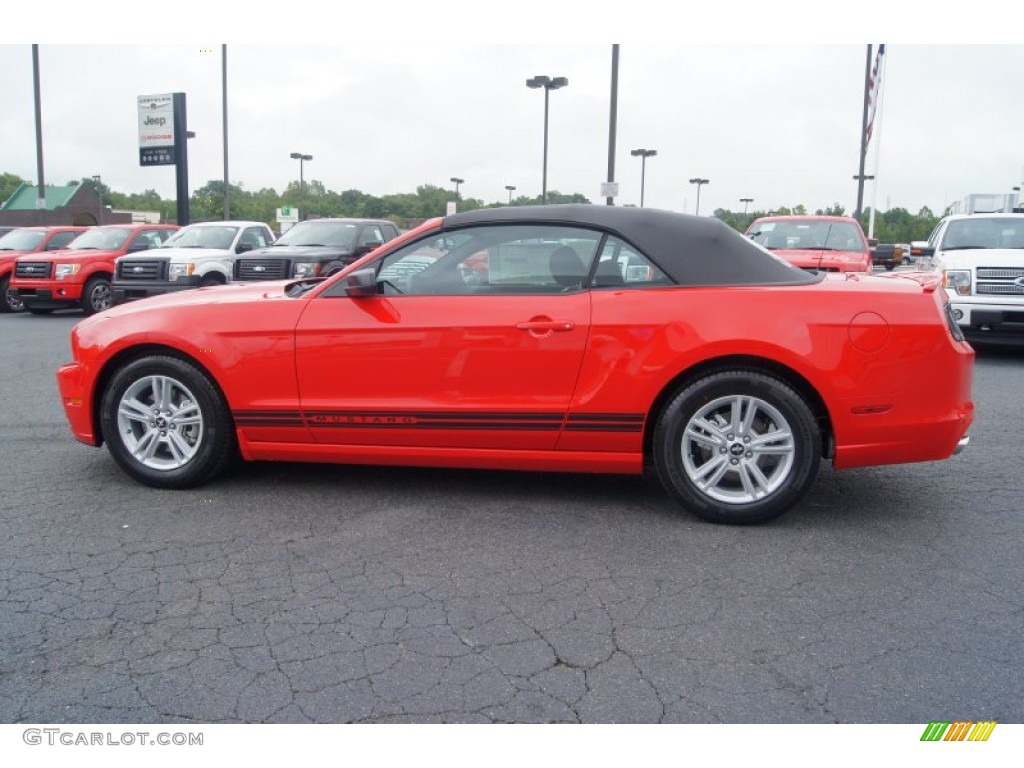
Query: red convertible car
point(600, 339)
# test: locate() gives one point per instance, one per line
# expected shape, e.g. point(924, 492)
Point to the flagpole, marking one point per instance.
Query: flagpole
point(863, 139)
point(876, 134)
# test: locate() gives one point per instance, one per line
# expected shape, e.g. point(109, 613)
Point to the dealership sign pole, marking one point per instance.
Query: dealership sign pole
point(163, 138)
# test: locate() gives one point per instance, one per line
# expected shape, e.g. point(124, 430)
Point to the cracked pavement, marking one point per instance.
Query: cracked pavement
point(309, 593)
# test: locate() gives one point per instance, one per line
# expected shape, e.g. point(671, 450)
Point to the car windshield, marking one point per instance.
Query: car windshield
point(219, 237)
point(337, 234)
point(984, 233)
point(808, 235)
point(21, 240)
point(101, 238)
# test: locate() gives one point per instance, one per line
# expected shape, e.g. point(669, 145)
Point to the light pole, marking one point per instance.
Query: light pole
point(699, 183)
point(99, 194)
point(860, 178)
point(302, 179)
point(548, 84)
point(456, 180)
point(745, 201)
point(510, 189)
point(643, 154)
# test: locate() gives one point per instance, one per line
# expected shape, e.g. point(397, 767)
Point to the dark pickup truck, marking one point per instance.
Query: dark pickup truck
point(314, 248)
point(888, 255)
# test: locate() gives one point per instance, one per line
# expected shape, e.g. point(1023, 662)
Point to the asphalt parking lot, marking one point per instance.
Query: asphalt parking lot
point(303, 593)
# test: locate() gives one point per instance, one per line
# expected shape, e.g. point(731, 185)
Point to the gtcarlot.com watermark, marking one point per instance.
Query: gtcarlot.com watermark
point(60, 736)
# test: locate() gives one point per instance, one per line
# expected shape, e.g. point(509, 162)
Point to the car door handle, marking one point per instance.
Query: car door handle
point(540, 326)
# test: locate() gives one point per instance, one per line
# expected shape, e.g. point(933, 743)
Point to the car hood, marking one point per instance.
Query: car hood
point(6, 256)
point(813, 257)
point(179, 254)
point(72, 255)
point(218, 294)
point(985, 257)
point(297, 252)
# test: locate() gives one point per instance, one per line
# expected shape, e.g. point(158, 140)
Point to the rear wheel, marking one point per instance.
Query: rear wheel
point(97, 296)
point(166, 423)
point(737, 447)
point(9, 300)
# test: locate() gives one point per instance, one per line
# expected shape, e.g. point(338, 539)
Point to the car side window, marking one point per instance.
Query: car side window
point(146, 239)
point(254, 237)
point(371, 234)
point(61, 240)
point(622, 266)
point(510, 259)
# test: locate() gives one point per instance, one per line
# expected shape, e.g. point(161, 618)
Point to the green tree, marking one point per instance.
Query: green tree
point(9, 182)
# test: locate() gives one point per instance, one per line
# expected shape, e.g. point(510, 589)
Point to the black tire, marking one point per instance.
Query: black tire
point(38, 311)
point(9, 300)
point(331, 269)
point(890, 266)
point(97, 296)
point(721, 464)
point(211, 279)
point(175, 454)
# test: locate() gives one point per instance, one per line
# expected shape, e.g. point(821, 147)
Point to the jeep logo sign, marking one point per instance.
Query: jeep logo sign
point(156, 129)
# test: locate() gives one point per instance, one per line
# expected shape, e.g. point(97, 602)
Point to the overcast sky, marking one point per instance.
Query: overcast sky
point(401, 95)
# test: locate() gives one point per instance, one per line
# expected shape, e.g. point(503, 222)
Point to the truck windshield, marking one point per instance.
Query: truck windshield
point(809, 235)
point(978, 232)
point(219, 237)
point(101, 238)
point(21, 240)
point(333, 233)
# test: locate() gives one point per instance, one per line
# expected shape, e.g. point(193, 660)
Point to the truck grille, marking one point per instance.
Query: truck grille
point(142, 269)
point(33, 269)
point(261, 269)
point(999, 281)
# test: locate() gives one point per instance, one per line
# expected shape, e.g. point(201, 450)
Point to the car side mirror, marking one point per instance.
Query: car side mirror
point(921, 248)
point(243, 247)
point(361, 283)
point(137, 247)
point(872, 242)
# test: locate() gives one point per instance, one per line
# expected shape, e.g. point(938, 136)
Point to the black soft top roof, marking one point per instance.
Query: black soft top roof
point(692, 250)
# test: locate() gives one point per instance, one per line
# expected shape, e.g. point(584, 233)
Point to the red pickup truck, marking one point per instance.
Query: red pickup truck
point(22, 241)
point(80, 276)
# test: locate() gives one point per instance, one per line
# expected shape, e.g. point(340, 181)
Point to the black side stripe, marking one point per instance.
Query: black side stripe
point(531, 422)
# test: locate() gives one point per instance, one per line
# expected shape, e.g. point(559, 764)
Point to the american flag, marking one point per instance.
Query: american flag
point(874, 88)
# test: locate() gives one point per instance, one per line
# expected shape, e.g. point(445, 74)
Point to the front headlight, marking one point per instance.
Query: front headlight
point(180, 270)
point(958, 281)
point(304, 269)
point(65, 271)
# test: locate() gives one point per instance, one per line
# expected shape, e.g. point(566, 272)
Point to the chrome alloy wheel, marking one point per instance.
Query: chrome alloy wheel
point(160, 422)
point(738, 449)
point(101, 297)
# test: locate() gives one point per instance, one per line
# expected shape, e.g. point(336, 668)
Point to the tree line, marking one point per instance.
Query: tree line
point(897, 225)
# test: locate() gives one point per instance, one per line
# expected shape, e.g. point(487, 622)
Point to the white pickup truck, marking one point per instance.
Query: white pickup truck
point(196, 256)
point(981, 258)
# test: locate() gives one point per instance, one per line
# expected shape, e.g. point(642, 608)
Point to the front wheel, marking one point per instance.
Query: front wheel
point(9, 299)
point(166, 423)
point(737, 447)
point(97, 296)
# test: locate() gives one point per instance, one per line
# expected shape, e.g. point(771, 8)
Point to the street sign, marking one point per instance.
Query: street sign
point(609, 189)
